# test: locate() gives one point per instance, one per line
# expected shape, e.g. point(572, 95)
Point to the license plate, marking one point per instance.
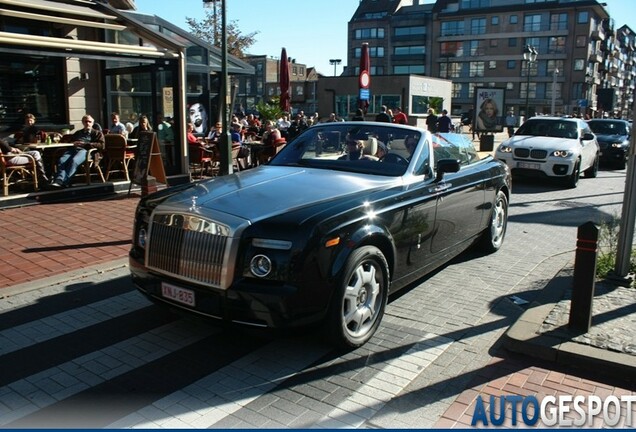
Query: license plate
point(529, 165)
point(181, 295)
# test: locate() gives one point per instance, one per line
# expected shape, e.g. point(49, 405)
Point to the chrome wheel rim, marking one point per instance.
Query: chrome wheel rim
point(498, 223)
point(362, 300)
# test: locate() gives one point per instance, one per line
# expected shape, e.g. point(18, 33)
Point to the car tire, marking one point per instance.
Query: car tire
point(358, 304)
point(573, 179)
point(592, 171)
point(493, 236)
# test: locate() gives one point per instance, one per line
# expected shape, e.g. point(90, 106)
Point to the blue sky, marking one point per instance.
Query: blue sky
point(313, 31)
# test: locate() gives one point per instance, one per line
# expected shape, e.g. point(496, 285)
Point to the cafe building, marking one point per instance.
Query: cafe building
point(62, 59)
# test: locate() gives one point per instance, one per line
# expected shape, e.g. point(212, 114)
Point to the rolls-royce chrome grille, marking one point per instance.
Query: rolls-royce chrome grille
point(188, 247)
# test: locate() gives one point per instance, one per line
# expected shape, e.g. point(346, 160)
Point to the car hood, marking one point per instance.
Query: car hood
point(266, 191)
point(540, 142)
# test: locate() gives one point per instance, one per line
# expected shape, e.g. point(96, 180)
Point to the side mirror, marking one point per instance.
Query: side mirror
point(446, 166)
point(587, 137)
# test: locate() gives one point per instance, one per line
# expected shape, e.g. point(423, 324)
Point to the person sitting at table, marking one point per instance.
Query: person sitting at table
point(116, 126)
point(7, 149)
point(30, 133)
point(214, 136)
point(190, 136)
point(271, 139)
point(83, 140)
point(143, 126)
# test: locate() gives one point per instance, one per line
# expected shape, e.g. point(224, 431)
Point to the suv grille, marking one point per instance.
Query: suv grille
point(188, 247)
point(533, 154)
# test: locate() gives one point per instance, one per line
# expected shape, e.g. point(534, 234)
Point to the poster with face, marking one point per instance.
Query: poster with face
point(489, 103)
point(198, 116)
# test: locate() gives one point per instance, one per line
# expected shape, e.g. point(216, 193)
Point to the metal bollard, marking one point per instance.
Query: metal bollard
point(584, 278)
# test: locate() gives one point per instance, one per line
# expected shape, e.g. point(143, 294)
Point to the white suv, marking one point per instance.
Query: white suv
point(558, 147)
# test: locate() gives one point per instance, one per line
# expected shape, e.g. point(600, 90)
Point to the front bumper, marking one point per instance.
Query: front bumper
point(248, 302)
point(551, 167)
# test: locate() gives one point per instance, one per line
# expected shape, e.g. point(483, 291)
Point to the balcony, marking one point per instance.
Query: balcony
point(596, 57)
point(598, 34)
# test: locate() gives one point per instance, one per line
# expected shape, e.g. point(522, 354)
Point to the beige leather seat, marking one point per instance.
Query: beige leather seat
point(370, 148)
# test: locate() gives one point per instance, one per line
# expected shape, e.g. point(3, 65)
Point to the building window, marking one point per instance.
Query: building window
point(300, 90)
point(494, 20)
point(514, 19)
point(553, 65)
point(373, 52)
point(492, 64)
point(476, 69)
point(531, 93)
point(534, 69)
point(410, 31)
point(32, 85)
point(451, 49)
point(510, 86)
point(511, 64)
point(577, 91)
point(478, 26)
point(581, 41)
point(409, 69)
point(369, 33)
point(494, 43)
point(559, 21)
point(512, 42)
point(557, 90)
point(476, 48)
point(556, 45)
point(452, 28)
point(579, 64)
point(583, 17)
point(532, 23)
point(410, 50)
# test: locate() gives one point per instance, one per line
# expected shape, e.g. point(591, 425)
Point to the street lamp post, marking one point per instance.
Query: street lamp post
point(334, 62)
point(554, 87)
point(225, 138)
point(530, 56)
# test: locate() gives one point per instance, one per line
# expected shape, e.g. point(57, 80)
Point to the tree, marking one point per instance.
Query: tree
point(270, 110)
point(209, 30)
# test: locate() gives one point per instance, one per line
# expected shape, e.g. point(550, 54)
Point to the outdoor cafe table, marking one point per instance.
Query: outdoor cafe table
point(47, 150)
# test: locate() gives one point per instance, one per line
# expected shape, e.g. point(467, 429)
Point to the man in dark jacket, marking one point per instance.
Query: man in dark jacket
point(84, 140)
point(383, 116)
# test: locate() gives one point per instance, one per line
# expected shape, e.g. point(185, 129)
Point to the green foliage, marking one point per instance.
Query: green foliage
point(608, 248)
point(270, 110)
point(209, 30)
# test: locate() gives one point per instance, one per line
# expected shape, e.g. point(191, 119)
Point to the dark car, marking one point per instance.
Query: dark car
point(613, 137)
point(319, 236)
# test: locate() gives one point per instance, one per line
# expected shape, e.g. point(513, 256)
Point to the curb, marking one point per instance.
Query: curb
point(63, 278)
point(524, 336)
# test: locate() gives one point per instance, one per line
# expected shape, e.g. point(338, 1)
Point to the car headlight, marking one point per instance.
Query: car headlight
point(261, 265)
point(561, 153)
point(620, 144)
point(505, 148)
point(142, 236)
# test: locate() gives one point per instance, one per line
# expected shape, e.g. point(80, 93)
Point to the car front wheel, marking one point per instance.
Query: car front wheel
point(493, 237)
point(592, 171)
point(358, 305)
point(573, 179)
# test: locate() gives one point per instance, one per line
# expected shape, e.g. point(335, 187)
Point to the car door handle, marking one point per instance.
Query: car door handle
point(440, 187)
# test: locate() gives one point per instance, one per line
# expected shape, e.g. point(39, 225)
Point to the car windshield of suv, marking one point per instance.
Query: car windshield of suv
point(604, 127)
point(549, 128)
point(360, 147)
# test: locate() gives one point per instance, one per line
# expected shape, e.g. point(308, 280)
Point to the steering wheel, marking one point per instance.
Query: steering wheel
point(394, 158)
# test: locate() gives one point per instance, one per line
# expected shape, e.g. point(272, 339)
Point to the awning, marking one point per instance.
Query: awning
point(83, 16)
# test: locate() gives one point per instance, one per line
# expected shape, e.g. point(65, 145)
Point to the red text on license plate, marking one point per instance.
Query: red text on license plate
point(178, 294)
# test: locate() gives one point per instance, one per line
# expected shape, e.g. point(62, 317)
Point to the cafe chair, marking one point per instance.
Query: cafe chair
point(202, 161)
point(118, 155)
point(14, 174)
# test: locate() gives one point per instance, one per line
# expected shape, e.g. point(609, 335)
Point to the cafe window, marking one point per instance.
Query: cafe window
point(32, 85)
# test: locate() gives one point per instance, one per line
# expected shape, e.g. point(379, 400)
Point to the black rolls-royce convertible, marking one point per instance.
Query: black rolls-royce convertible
point(344, 215)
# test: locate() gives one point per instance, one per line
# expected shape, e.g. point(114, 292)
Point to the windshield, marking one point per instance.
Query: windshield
point(549, 128)
point(608, 127)
point(361, 147)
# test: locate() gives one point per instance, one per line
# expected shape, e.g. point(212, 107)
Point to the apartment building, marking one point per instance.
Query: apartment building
point(550, 56)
